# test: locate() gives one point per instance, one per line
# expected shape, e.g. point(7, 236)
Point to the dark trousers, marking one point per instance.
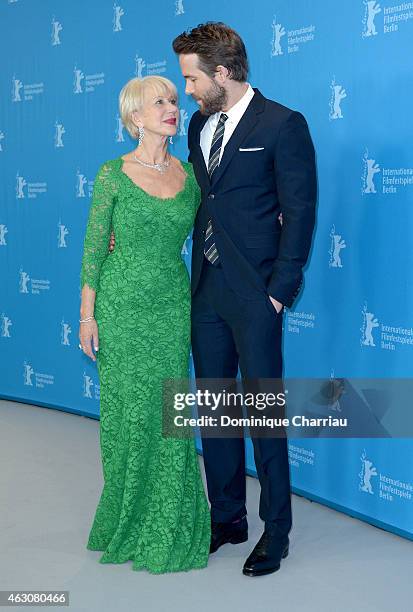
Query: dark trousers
point(229, 331)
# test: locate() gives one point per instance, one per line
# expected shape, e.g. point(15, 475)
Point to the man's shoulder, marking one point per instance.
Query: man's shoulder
point(278, 110)
point(272, 107)
point(283, 116)
point(195, 125)
point(195, 119)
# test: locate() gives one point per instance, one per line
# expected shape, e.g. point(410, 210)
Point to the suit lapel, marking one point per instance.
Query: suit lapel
point(197, 152)
point(244, 127)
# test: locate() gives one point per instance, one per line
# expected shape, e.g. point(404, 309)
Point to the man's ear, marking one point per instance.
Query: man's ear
point(222, 74)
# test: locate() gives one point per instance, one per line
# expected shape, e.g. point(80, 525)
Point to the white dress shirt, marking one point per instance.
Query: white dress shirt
point(234, 115)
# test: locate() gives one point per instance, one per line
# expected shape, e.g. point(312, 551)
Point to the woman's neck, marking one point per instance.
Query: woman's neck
point(152, 150)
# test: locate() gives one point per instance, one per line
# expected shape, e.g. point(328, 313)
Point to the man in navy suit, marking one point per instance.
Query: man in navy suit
point(254, 161)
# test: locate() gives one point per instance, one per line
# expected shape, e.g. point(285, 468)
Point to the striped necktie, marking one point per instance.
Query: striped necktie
point(210, 250)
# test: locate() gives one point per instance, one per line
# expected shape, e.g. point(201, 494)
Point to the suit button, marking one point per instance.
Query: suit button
point(211, 196)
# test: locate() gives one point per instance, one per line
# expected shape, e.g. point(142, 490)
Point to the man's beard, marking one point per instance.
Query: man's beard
point(214, 99)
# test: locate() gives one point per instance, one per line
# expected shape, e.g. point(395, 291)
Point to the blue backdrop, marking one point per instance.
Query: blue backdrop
point(347, 67)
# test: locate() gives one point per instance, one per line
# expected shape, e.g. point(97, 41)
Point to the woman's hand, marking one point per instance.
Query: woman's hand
point(88, 336)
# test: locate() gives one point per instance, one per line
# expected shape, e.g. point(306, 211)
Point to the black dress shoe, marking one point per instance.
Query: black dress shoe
point(222, 533)
point(266, 556)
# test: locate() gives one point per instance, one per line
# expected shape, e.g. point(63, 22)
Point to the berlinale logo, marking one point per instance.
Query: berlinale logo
point(118, 12)
point(183, 118)
point(16, 87)
point(77, 81)
point(3, 232)
point(140, 64)
point(277, 33)
point(5, 326)
point(371, 168)
point(27, 374)
point(337, 244)
point(59, 131)
point(119, 130)
point(338, 93)
point(81, 181)
point(20, 185)
point(24, 279)
point(179, 7)
point(56, 29)
point(66, 330)
point(370, 322)
point(372, 8)
point(367, 471)
point(61, 235)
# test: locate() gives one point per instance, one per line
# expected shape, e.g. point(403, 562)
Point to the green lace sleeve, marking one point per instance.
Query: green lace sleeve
point(98, 228)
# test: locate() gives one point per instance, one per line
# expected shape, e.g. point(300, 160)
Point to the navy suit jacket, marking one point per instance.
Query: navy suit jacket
point(246, 194)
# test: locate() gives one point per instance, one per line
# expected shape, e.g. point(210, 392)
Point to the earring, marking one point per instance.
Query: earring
point(171, 140)
point(141, 135)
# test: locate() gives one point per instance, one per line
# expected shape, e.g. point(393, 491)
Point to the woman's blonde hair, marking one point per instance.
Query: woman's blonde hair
point(135, 94)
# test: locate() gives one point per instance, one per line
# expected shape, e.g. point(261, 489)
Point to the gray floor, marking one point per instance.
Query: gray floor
point(50, 483)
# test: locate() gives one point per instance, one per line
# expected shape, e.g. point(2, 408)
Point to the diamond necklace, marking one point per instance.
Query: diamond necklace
point(161, 166)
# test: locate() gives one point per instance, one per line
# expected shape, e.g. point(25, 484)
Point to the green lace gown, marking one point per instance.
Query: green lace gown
point(153, 509)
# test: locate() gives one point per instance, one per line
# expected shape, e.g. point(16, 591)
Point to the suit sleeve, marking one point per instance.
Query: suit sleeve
point(296, 179)
point(190, 138)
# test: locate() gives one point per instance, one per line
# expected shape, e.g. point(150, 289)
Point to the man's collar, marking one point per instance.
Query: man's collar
point(255, 102)
point(239, 107)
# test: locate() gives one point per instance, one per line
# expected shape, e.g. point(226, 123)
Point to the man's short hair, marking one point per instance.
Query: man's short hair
point(215, 44)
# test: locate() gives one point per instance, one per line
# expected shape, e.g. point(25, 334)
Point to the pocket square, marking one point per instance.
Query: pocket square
point(251, 149)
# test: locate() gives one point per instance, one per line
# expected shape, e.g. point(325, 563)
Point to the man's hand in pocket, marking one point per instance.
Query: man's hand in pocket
point(277, 305)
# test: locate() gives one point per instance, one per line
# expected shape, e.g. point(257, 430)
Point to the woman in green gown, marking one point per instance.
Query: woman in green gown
point(135, 313)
